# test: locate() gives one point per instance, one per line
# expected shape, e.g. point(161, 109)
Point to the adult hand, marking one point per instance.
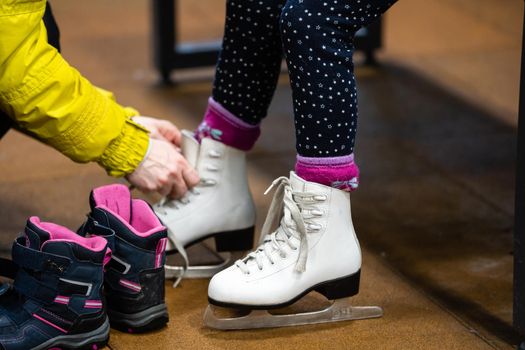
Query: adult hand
point(160, 129)
point(164, 170)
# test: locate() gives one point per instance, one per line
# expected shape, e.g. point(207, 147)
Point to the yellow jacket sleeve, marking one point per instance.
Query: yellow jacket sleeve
point(49, 99)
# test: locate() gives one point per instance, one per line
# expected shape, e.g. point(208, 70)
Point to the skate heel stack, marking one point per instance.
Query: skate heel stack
point(235, 241)
point(340, 288)
point(229, 247)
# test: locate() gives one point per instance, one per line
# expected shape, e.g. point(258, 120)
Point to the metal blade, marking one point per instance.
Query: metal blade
point(203, 271)
point(339, 310)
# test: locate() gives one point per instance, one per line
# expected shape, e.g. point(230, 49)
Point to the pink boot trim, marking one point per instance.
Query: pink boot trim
point(338, 172)
point(221, 125)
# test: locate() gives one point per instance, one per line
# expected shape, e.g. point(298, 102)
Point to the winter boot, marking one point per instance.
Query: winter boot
point(56, 299)
point(134, 280)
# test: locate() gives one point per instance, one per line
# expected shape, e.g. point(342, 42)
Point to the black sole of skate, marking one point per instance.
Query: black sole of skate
point(228, 241)
point(338, 288)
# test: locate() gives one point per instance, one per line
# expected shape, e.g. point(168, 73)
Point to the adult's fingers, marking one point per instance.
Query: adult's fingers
point(191, 177)
point(170, 132)
point(165, 190)
point(179, 189)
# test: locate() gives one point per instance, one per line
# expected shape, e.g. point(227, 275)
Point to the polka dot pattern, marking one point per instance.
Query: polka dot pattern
point(316, 37)
point(250, 60)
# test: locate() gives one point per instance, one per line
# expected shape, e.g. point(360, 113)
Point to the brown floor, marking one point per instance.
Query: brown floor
point(436, 149)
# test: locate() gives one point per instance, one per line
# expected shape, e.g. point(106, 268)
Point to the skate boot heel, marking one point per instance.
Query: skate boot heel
point(234, 241)
point(341, 287)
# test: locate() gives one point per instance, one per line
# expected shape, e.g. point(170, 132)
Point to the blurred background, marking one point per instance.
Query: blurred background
point(436, 146)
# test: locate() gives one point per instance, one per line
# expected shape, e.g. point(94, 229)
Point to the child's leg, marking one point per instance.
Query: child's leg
point(317, 37)
point(307, 223)
point(245, 80)
point(246, 74)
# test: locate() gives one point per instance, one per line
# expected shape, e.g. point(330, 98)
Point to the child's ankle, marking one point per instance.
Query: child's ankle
point(221, 125)
point(338, 172)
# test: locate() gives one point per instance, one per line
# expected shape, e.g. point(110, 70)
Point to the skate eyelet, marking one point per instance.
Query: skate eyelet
point(215, 154)
point(208, 182)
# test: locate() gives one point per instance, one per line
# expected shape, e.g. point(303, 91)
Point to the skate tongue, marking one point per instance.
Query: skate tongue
point(190, 147)
point(297, 183)
point(116, 198)
point(35, 234)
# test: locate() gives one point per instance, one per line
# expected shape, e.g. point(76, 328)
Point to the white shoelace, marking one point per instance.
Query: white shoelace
point(289, 216)
point(165, 203)
point(161, 208)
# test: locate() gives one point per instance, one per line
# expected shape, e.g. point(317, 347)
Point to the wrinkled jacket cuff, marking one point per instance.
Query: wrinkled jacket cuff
point(126, 152)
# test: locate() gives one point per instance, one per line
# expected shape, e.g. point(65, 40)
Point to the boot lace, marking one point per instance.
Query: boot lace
point(290, 215)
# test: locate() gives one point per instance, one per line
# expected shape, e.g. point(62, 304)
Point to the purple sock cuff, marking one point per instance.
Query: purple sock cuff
point(221, 125)
point(344, 160)
point(338, 172)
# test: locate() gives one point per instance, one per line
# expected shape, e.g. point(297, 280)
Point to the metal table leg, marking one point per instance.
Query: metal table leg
point(168, 53)
point(163, 22)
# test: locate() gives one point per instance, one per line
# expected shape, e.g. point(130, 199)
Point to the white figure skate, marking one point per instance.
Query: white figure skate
point(221, 206)
point(314, 248)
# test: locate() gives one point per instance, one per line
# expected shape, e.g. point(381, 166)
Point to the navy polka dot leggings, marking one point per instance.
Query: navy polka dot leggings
point(316, 37)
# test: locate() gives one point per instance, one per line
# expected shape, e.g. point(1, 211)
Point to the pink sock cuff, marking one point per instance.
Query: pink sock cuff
point(221, 125)
point(338, 172)
point(229, 116)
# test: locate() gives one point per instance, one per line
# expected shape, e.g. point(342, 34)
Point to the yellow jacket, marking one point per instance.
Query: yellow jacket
point(50, 100)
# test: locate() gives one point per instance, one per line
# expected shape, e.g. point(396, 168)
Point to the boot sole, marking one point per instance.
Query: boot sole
point(334, 289)
point(93, 340)
point(144, 321)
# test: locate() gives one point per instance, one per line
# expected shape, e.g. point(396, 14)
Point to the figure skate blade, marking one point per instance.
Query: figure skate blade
point(339, 310)
point(202, 271)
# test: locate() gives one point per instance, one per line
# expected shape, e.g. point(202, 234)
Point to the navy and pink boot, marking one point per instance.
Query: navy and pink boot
point(134, 280)
point(55, 301)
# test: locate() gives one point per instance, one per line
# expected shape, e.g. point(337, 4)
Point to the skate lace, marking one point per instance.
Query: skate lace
point(166, 204)
point(162, 208)
point(290, 215)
